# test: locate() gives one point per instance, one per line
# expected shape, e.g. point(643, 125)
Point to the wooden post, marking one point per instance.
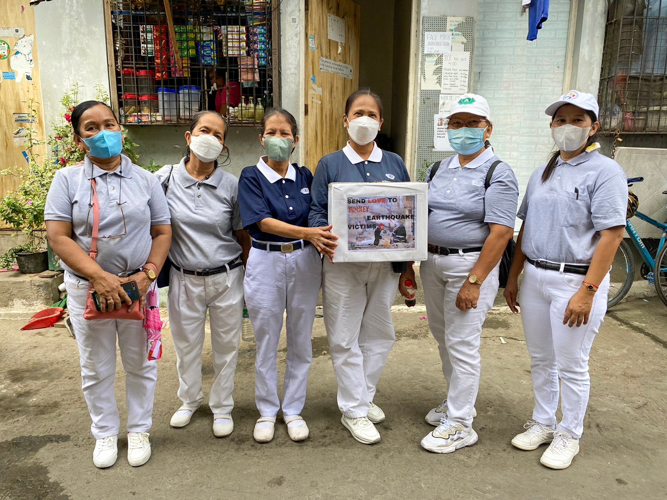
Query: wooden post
point(172, 34)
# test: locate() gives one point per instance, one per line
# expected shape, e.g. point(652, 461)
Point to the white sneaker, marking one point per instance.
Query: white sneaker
point(296, 432)
point(182, 417)
point(561, 451)
point(223, 425)
point(436, 414)
point(449, 437)
point(106, 452)
point(535, 435)
point(138, 448)
point(375, 414)
point(264, 433)
point(361, 429)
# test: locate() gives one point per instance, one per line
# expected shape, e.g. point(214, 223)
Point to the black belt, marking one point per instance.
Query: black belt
point(280, 247)
point(553, 266)
point(448, 251)
point(232, 264)
point(122, 275)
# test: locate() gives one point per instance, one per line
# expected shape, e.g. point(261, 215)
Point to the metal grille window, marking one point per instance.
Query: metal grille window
point(173, 58)
point(633, 87)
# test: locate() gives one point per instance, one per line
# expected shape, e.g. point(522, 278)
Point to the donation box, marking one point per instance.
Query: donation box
point(379, 221)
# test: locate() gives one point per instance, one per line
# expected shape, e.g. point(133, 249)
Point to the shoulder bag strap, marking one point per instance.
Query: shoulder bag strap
point(96, 222)
point(165, 184)
point(489, 174)
point(434, 169)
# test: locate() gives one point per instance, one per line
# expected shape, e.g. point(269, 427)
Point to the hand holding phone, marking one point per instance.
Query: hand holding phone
point(130, 288)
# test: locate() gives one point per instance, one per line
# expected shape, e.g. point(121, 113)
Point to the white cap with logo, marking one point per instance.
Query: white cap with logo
point(471, 103)
point(580, 99)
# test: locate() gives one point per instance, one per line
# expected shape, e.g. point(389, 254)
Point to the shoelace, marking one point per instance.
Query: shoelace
point(560, 442)
point(533, 427)
point(446, 428)
point(136, 439)
point(363, 422)
point(106, 443)
point(442, 408)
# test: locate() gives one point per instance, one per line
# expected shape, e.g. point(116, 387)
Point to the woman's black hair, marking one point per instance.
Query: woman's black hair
point(553, 161)
point(285, 114)
point(220, 73)
point(81, 108)
point(361, 92)
point(197, 118)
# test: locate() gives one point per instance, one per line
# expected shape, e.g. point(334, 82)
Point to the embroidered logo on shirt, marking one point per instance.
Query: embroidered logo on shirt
point(305, 191)
point(477, 182)
point(390, 176)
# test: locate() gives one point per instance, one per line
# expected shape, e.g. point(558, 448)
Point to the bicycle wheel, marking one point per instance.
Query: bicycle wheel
point(622, 274)
point(660, 274)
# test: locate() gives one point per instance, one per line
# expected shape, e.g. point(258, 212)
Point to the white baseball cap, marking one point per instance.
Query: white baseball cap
point(579, 99)
point(471, 103)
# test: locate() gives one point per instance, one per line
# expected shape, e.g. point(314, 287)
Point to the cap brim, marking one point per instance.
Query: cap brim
point(452, 113)
point(551, 110)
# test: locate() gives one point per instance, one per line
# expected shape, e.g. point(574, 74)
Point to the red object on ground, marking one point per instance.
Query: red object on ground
point(44, 319)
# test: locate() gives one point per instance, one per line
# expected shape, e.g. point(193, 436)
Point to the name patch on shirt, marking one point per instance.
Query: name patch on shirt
point(390, 176)
point(305, 191)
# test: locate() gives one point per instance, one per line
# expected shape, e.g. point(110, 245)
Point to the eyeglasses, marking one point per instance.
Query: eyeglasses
point(120, 206)
point(470, 123)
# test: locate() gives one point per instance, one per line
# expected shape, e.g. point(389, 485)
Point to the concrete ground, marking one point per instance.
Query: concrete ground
point(46, 447)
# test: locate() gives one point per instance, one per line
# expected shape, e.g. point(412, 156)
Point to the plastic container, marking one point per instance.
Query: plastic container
point(188, 101)
point(148, 104)
point(145, 82)
point(129, 81)
point(130, 104)
point(410, 300)
point(167, 104)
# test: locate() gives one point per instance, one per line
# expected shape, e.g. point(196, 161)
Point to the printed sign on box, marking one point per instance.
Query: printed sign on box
point(379, 221)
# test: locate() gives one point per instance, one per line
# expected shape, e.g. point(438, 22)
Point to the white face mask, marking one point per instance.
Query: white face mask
point(363, 130)
point(569, 137)
point(205, 147)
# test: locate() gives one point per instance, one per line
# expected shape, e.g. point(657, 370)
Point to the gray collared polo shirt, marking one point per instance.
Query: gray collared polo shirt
point(460, 208)
point(563, 216)
point(141, 199)
point(204, 216)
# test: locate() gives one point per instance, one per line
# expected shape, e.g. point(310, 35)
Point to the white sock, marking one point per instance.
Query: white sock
point(184, 412)
point(264, 425)
point(296, 423)
point(222, 420)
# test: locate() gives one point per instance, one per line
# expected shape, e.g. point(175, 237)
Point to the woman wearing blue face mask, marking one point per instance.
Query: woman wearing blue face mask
point(283, 272)
point(471, 219)
point(132, 244)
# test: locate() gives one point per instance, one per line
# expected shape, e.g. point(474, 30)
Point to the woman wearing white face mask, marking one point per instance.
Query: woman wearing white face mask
point(358, 296)
point(472, 201)
point(574, 213)
point(283, 274)
point(208, 250)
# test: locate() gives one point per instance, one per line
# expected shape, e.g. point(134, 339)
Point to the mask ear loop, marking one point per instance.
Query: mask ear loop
point(225, 161)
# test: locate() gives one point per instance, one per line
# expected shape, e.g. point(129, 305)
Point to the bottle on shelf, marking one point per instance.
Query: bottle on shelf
point(410, 300)
point(242, 110)
point(250, 111)
point(259, 111)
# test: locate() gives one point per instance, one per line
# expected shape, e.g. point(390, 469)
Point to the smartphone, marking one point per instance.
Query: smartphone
point(131, 289)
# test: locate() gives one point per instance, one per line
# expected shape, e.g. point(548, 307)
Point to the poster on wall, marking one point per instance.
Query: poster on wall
point(440, 140)
point(455, 68)
point(437, 42)
point(379, 221)
point(431, 76)
point(446, 101)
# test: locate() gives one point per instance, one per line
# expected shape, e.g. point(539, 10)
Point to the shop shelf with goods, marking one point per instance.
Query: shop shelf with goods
point(206, 55)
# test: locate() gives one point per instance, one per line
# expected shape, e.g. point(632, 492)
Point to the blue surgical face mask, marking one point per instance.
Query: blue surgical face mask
point(466, 141)
point(105, 144)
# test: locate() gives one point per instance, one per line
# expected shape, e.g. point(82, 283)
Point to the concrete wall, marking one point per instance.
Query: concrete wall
point(72, 49)
point(520, 79)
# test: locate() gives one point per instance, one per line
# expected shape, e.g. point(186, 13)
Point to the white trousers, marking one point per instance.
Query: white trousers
point(556, 350)
point(97, 353)
point(457, 332)
point(276, 282)
point(189, 299)
point(357, 315)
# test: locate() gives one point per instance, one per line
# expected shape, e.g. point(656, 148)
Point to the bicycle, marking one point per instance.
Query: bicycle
point(652, 270)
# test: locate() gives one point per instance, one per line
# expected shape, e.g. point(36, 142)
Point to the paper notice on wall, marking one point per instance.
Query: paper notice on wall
point(12, 32)
point(24, 118)
point(455, 69)
point(337, 68)
point(336, 29)
point(20, 136)
point(446, 101)
point(458, 42)
point(440, 141)
point(453, 22)
point(431, 72)
point(437, 42)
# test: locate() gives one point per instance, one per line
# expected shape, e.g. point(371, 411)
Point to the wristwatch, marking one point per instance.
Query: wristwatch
point(150, 271)
point(473, 279)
